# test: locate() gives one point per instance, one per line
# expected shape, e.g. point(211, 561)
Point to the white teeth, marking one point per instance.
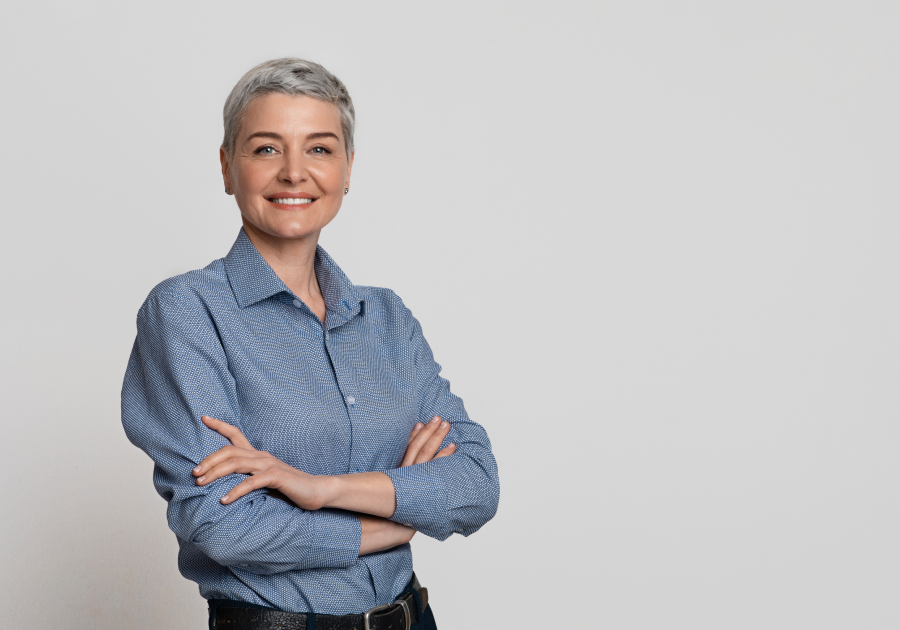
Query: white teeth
point(292, 201)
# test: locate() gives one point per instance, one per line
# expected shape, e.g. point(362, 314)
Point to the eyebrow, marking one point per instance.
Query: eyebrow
point(276, 136)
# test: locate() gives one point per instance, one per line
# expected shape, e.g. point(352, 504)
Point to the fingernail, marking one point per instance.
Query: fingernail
point(197, 469)
point(435, 419)
point(418, 426)
point(445, 424)
point(200, 479)
point(225, 499)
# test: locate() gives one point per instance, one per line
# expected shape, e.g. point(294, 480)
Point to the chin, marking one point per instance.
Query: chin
point(282, 229)
point(293, 233)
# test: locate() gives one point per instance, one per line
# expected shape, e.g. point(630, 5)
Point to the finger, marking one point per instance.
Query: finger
point(231, 432)
point(226, 452)
point(246, 486)
point(419, 440)
point(409, 456)
point(242, 465)
point(447, 450)
point(431, 446)
point(414, 431)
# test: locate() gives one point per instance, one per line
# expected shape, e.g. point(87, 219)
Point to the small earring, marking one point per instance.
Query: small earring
point(227, 191)
point(346, 190)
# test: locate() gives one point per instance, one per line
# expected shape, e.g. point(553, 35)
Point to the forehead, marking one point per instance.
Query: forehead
point(290, 116)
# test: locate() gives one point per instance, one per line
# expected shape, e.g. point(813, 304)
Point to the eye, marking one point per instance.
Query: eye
point(320, 150)
point(267, 149)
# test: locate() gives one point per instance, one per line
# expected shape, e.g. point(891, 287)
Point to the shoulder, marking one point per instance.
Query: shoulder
point(381, 301)
point(191, 291)
point(385, 312)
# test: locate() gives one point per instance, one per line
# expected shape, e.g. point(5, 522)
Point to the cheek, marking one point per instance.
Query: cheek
point(254, 177)
point(331, 177)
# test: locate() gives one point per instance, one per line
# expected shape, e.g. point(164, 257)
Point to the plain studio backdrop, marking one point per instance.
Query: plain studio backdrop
point(653, 244)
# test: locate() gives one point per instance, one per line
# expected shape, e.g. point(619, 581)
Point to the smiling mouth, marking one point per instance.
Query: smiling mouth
point(291, 201)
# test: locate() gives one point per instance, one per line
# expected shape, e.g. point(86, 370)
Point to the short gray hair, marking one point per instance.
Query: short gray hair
point(293, 76)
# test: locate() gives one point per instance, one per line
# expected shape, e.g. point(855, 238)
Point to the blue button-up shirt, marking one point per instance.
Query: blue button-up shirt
point(231, 341)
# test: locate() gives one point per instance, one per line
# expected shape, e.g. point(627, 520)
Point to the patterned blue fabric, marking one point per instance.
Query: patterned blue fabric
point(231, 341)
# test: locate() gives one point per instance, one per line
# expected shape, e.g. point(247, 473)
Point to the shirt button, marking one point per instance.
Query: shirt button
point(298, 303)
point(351, 400)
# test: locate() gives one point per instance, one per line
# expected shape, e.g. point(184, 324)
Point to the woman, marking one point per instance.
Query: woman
point(299, 425)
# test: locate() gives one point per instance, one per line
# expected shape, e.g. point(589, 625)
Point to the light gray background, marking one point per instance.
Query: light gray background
point(654, 244)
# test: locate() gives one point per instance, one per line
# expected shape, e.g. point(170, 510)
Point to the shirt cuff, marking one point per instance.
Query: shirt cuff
point(421, 497)
point(335, 541)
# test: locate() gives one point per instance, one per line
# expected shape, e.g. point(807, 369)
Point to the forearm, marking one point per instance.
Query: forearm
point(374, 492)
point(368, 493)
point(265, 535)
point(452, 495)
point(439, 497)
point(379, 534)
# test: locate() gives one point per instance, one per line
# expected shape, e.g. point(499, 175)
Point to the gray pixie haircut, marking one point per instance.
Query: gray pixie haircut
point(293, 76)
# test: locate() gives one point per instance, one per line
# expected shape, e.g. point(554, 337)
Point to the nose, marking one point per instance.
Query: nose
point(293, 168)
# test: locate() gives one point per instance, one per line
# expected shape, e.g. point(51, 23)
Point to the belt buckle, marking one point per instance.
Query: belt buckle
point(368, 614)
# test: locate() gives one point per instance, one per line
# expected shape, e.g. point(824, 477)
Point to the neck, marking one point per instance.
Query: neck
point(292, 260)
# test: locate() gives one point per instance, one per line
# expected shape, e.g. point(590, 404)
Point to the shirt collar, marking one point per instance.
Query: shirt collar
point(343, 299)
point(252, 280)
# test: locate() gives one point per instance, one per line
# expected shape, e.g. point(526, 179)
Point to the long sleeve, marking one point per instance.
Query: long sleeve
point(177, 372)
point(455, 494)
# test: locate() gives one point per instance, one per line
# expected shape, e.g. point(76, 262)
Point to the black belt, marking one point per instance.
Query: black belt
point(403, 613)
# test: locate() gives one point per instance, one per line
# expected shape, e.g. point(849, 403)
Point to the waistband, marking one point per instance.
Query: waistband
point(238, 615)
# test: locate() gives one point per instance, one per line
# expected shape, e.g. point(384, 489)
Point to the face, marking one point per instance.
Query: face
point(289, 168)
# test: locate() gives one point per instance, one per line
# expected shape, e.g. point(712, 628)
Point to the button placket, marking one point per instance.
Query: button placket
point(347, 385)
point(344, 383)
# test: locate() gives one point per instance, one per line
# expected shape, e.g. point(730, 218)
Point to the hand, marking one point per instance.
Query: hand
point(267, 471)
point(425, 440)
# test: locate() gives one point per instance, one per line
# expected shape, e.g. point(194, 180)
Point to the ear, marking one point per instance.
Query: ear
point(226, 168)
point(349, 168)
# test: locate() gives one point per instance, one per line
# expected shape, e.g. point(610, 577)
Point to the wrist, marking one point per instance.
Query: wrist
point(379, 534)
point(331, 489)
